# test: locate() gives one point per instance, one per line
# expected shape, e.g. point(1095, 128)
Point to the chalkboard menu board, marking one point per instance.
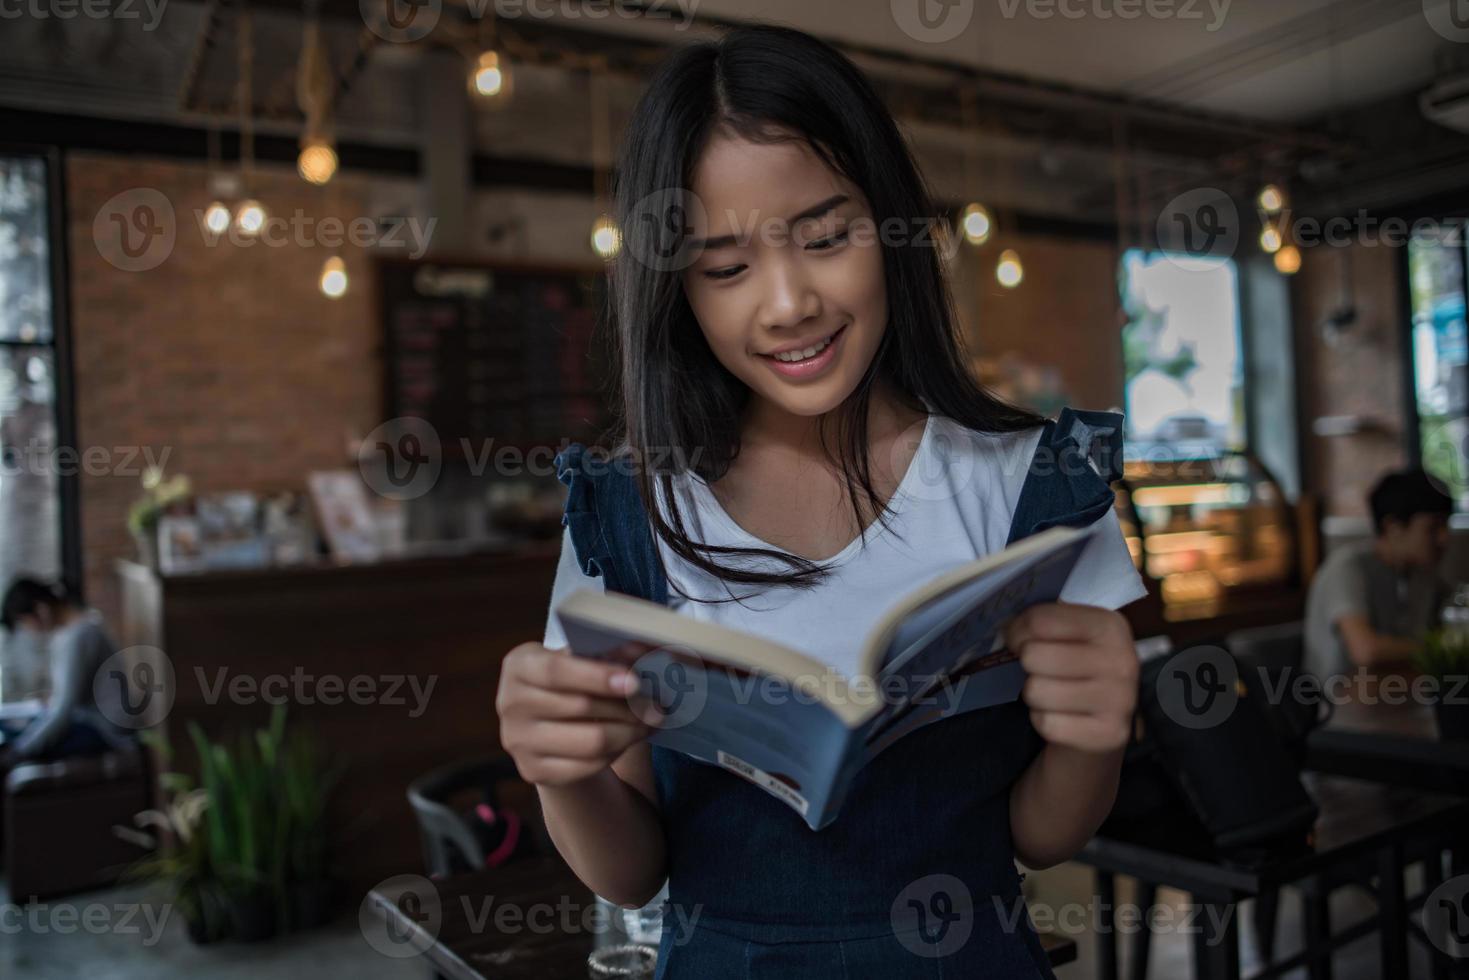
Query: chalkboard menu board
point(493, 351)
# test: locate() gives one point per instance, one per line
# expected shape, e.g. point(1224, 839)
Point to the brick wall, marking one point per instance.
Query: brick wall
point(1362, 376)
point(228, 358)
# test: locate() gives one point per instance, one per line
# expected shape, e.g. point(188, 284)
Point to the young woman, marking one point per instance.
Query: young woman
point(806, 445)
point(74, 722)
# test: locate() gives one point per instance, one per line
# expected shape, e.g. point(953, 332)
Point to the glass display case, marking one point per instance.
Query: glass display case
point(1209, 530)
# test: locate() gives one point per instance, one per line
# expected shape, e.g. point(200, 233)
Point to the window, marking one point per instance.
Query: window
point(1440, 356)
point(35, 496)
point(1181, 350)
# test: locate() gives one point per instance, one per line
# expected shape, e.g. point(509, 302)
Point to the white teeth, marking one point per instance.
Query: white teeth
point(801, 355)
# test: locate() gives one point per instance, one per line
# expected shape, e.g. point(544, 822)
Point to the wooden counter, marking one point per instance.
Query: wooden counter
point(278, 632)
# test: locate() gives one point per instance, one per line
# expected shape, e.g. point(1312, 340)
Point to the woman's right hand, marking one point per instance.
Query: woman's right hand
point(565, 718)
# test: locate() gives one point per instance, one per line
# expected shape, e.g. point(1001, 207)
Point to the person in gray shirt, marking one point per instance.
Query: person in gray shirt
point(1370, 604)
point(77, 719)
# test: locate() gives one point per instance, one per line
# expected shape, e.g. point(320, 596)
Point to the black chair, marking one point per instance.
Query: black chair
point(449, 846)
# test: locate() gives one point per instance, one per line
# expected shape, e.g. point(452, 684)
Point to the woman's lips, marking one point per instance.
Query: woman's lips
point(811, 366)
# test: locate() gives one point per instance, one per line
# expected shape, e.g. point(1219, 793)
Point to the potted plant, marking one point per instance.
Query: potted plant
point(179, 854)
point(245, 834)
point(143, 516)
point(305, 784)
point(1445, 657)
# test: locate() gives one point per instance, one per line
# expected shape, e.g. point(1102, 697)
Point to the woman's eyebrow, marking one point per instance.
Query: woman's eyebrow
point(815, 211)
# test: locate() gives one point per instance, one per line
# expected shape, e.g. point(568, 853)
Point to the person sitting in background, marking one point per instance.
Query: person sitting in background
point(73, 722)
point(1371, 603)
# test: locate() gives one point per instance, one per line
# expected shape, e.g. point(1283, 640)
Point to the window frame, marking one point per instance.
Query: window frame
point(58, 253)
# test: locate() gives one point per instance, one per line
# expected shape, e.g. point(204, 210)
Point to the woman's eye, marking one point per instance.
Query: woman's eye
point(728, 273)
point(822, 244)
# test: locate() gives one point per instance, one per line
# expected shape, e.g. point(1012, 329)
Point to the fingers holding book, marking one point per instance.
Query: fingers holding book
point(564, 718)
point(1082, 672)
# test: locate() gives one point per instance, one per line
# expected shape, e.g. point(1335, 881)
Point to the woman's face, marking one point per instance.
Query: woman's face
point(804, 269)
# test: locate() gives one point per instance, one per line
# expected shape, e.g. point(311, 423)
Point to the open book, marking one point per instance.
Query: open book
point(793, 725)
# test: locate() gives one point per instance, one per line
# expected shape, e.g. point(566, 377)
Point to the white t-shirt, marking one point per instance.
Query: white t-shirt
point(954, 504)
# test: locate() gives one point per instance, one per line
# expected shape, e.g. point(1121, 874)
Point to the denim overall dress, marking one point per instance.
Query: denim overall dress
point(916, 877)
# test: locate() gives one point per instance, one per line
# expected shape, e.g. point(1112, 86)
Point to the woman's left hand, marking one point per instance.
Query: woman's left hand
point(1083, 672)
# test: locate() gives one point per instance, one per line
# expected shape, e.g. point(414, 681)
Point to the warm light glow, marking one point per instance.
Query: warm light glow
point(1272, 199)
point(1288, 260)
point(317, 162)
point(1009, 272)
point(1270, 239)
point(217, 218)
point(489, 76)
point(977, 224)
point(250, 218)
point(606, 239)
point(334, 277)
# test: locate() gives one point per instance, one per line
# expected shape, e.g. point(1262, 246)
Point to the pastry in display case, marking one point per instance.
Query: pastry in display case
point(1209, 530)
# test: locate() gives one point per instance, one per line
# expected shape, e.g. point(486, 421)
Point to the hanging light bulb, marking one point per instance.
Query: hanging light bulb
point(1271, 199)
point(1288, 260)
point(976, 223)
point(1009, 272)
point(489, 75)
point(317, 162)
point(334, 277)
point(1270, 239)
point(217, 218)
point(606, 238)
point(250, 217)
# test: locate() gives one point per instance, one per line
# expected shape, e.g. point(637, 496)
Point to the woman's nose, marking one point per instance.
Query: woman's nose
point(789, 296)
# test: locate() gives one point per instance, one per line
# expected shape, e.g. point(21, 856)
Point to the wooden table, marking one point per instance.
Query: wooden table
point(1362, 823)
point(454, 923)
point(1373, 738)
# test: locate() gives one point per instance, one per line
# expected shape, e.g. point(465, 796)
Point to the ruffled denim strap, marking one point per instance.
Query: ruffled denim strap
point(1069, 483)
point(610, 530)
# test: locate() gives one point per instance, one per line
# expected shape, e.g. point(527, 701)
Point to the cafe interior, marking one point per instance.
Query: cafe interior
point(300, 300)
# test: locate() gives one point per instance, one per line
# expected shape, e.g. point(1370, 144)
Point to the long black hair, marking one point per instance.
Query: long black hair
point(676, 401)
